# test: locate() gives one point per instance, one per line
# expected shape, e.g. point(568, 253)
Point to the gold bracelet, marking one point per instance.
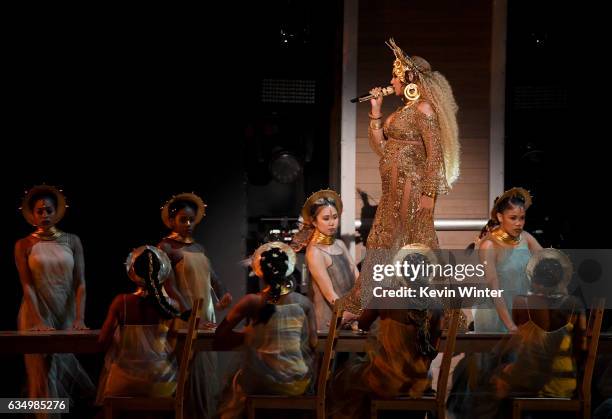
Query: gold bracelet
point(374, 117)
point(376, 124)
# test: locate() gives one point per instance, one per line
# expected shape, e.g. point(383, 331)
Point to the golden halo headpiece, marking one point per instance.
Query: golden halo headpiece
point(164, 264)
point(418, 248)
point(256, 259)
point(38, 190)
point(312, 200)
point(554, 254)
point(186, 196)
point(513, 192)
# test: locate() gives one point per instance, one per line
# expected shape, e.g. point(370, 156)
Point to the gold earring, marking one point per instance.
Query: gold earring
point(411, 92)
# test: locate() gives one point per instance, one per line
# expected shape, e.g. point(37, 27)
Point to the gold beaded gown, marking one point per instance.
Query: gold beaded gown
point(411, 165)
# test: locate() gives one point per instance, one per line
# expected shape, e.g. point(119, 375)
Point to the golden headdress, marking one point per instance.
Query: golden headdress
point(436, 90)
point(421, 249)
point(164, 265)
point(403, 63)
point(39, 190)
point(327, 194)
point(559, 257)
point(256, 261)
point(521, 193)
point(185, 196)
point(301, 239)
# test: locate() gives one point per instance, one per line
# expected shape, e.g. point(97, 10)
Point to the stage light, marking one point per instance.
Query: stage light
point(285, 167)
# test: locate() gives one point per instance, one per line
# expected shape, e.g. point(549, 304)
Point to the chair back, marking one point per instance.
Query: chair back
point(187, 356)
point(593, 332)
point(447, 356)
point(329, 354)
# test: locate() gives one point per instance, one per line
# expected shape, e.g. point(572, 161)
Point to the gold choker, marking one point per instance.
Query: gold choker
point(286, 288)
point(506, 238)
point(177, 237)
point(51, 233)
point(320, 238)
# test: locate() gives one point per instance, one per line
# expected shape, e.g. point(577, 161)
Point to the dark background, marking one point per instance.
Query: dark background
point(123, 108)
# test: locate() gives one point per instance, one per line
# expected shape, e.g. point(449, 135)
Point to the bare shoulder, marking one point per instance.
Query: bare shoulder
point(24, 244)
point(121, 299)
point(486, 244)
point(249, 302)
point(530, 239)
point(527, 235)
point(487, 250)
point(425, 108)
point(313, 252)
point(250, 299)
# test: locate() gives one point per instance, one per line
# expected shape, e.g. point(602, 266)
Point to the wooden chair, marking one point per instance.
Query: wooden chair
point(581, 404)
point(315, 402)
point(436, 403)
point(163, 404)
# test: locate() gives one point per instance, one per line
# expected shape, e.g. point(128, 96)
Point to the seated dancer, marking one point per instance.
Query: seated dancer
point(551, 330)
point(541, 358)
point(399, 350)
point(140, 360)
point(279, 337)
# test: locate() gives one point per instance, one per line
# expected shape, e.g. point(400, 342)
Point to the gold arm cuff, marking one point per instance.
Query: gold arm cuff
point(376, 124)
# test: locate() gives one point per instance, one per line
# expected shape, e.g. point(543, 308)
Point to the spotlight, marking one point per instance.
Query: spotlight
point(285, 167)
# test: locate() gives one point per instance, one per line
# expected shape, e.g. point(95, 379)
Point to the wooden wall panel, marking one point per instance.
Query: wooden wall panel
point(455, 37)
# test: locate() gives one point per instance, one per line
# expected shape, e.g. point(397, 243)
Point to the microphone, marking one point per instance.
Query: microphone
point(386, 91)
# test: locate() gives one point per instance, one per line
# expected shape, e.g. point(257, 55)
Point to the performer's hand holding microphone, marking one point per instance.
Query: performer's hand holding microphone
point(376, 93)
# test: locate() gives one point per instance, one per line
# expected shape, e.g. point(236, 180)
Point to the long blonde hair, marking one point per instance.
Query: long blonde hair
point(438, 91)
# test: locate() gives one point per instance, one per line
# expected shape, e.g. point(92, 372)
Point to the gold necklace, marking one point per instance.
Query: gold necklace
point(320, 238)
point(506, 238)
point(177, 237)
point(51, 233)
point(286, 288)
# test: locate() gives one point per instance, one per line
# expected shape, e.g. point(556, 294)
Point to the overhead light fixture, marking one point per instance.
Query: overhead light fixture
point(285, 167)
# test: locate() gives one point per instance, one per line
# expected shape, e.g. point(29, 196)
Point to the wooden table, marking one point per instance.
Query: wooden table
point(86, 341)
